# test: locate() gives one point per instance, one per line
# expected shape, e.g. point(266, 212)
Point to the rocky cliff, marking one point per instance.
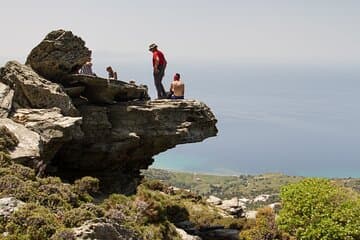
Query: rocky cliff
point(74, 125)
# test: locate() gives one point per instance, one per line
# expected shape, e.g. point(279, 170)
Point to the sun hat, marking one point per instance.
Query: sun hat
point(152, 46)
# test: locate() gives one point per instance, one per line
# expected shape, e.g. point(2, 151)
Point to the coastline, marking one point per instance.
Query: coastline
point(185, 165)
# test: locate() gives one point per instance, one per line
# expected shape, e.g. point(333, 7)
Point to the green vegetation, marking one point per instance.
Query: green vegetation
point(312, 208)
point(32, 222)
point(315, 209)
point(53, 208)
point(155, 207)
point(263, 228)
point(226, 187)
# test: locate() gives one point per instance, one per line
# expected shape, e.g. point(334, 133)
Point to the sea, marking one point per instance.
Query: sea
point(301, 120)
point(295, 119)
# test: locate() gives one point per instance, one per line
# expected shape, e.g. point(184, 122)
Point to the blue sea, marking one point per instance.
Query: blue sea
point(297, 120)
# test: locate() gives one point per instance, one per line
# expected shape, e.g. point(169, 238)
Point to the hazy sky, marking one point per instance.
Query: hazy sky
point(231, 31)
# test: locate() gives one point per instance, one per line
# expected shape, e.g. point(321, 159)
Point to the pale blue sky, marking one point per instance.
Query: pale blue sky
point(232, 31)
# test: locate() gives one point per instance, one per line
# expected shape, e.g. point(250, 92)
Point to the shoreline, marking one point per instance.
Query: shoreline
point(219, 174)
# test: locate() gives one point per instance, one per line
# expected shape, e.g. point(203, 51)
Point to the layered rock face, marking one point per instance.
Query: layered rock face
point(33, 91)
point(99, 91)
point(120, 139)
point(84, 125)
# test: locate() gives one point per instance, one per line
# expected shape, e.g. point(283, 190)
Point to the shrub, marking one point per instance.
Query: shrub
point(76, 217)
point(8, 140)
point(264, 228)
point(163, 231)
point(13, 186)
point(63, 234)
point(85, 187)
point(318, 209)
point(155, 185)
point(32, 222)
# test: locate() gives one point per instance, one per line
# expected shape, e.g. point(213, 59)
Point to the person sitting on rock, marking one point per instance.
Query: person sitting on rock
point(112, 74)
point(86, 69)
point(177, 88)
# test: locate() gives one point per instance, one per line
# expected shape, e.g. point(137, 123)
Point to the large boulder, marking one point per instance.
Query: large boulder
point(33, 91)
point(8, 205)
point(214, 200)
point(6, 96)
point(100, 90)
point(53, 128)
point(59, 54)
point(104, 229)
point(29, 144)
point(185, 236)
point(122, 138)
point(233, 206)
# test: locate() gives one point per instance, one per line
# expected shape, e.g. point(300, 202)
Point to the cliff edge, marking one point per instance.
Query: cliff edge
point(73, 125)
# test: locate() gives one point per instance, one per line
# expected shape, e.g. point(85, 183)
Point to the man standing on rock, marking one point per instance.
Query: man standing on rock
point(159, 65)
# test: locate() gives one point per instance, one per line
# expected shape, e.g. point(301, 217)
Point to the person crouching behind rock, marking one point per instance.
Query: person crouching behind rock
point(177, 88)
point(112, 74)
point(86, 69)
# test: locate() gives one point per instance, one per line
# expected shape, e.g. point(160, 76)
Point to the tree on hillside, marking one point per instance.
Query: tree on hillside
point(317, 209)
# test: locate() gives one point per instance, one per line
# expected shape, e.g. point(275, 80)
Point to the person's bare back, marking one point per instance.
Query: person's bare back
point(178, 88)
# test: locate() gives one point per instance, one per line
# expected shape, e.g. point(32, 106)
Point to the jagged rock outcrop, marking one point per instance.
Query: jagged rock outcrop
point(53, 128)
point(33, 91)
point(29, 147)
point(122, 138)
point(72, 125)
point(103, 229)
point(40, 133)
point(100, 90)
point(6, 96)
point(90, 125)
point(59, 54)
point(233, 207)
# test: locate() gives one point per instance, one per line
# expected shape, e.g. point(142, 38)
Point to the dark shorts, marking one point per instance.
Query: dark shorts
point(177, 97)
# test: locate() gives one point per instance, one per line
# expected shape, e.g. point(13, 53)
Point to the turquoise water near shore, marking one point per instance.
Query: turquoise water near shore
point(297, 120)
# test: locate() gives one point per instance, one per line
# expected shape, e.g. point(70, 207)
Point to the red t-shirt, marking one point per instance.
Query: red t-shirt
point(160, 55)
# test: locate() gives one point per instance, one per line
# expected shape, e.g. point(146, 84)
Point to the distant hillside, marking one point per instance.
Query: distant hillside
point(242, 186)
